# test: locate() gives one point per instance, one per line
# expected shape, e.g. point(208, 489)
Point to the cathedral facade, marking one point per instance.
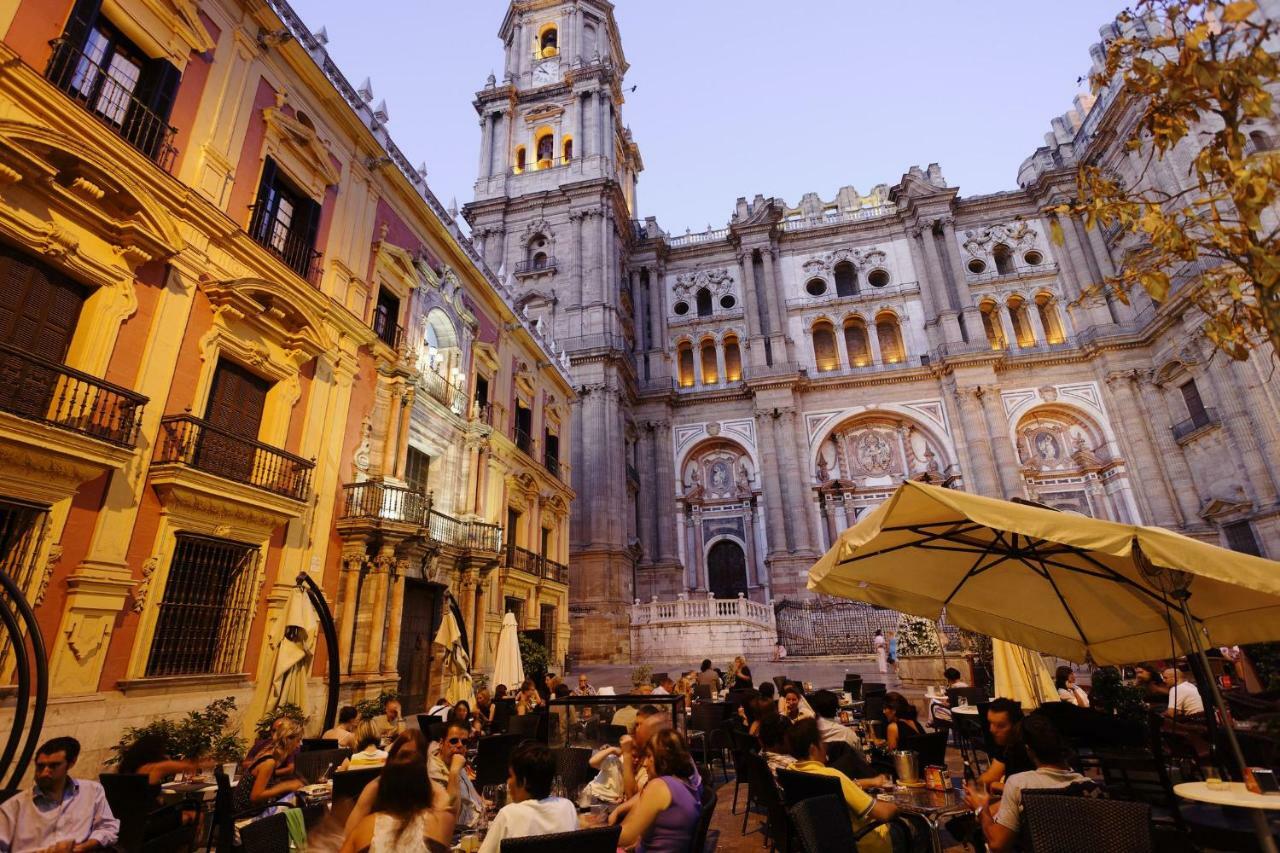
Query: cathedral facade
point(747, 392)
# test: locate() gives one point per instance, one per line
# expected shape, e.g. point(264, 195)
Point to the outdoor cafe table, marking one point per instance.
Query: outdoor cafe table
point(1234, 794)
point(933, 806)
point(965, 709)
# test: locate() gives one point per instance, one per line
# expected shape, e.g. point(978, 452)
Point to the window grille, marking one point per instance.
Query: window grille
point(206, 609)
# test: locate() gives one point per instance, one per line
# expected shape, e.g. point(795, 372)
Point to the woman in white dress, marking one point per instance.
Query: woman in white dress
point(402, 819)
point(882, 658)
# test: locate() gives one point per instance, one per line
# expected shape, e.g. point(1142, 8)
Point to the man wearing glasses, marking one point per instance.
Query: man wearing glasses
point(464, 799)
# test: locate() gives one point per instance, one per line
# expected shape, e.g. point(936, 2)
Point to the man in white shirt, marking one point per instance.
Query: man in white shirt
point(58, 812)
point(664, 687)
point(531, 810)
point(1049, 752)
point(1184, 696)
point(826, 706)
point(440, 709)
point(345, 731)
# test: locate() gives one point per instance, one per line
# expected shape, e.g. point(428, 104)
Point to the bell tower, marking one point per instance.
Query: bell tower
point(553, 214)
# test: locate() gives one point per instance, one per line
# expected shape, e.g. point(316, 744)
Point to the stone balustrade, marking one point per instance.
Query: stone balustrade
point(717, 628)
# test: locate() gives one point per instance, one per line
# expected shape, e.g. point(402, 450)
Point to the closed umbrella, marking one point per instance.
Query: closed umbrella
point(1021, 675)
point(1056, 582)
point(508, 668)
point(299, 628)
point(457, 662)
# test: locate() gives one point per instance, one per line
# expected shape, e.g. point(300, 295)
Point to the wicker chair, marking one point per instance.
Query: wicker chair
point(1104, 826)
point(268, 835)
point(603, 839)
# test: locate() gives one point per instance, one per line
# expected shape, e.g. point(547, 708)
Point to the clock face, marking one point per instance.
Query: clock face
point(546, 72)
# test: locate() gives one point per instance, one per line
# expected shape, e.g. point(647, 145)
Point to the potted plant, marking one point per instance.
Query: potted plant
point(920, 657)
point(206, 733)
point(288, 710)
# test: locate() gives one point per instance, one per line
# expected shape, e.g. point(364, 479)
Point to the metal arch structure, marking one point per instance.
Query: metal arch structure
point(31, 665)
point(316, 596)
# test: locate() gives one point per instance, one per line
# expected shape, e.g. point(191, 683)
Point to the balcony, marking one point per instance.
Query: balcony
point(524, 442)
point(192, 442)
point(296, 250)
point(51, 393)
point(99, 92)
point(537, 266)
point(389, 333)
point(844, 217)
point(524, 560)
point(377, 501)
point(552, 464)
point(448, 394)
point(1184, 431)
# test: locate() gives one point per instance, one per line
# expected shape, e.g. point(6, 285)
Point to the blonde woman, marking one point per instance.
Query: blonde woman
point(738, 663)
point(257, 787)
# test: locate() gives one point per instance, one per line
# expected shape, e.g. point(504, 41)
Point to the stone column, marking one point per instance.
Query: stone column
point(1005, 455)
point(657, 310)
point(1037, 325)
point(791, 491)
point(983, 477)
point(697, 552)
point(771, 485)
point(873, 341)
point(748, 538)
point(961, 301)
point(1160, 504)
point(690, 558)
point(947, 321)
point(640, 318)
point(664, 475)
point(803, 478)
point(349, 606)
point(1222, 392)
point(486, 146)
point(467, 601)
point(720, 375)
point(479, 652)
point(750, 311)
point(391, 660)
point(1006, 323)
point(777, 307)
point(842, 347)
point(379, 584)
point(1170, 455)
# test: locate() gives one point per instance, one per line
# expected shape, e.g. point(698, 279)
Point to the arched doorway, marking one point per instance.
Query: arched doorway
point(727, 569)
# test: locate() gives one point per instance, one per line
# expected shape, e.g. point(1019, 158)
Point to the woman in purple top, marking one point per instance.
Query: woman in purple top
point(666, 815)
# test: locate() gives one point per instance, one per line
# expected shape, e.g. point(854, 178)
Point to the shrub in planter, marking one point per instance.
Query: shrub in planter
point(200, 734)
point(370, 708)
point(535, 658)
point(288, 711)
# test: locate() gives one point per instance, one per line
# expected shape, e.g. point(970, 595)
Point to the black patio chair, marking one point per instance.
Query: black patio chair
point(743, 746)
point(853, 685)
point(312, 765)
point(600, 839)
point(266, 835)
point(932, 747)
point(873, 688)
point(524, 726)
point(708, 810)
point(1138, 776)
point(821, 825)
point(703, 692)
point(493, 754)
point(763, 792)
point(144, 825)
point(1102, 825)
point(348, 784)
point(573, 767)
point(797, 786)
point(314, 744)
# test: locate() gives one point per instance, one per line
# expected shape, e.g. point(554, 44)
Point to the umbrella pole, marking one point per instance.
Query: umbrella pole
point(1261, 828)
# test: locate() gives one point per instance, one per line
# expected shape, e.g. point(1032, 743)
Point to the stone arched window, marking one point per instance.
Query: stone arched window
point(707, 359)
point(546, 149)
point(732, 359)
point(1021, 323)
point(1003, 257)
point(856, 342)
point(889, 335)
point(703, 299)
point(568, 150)
point(443, 355)
point(684, 363)
point(992, 326)
point(521, 159)
point(825, 355)
point(1050, 319)
point(548, 43)
point(846, 279)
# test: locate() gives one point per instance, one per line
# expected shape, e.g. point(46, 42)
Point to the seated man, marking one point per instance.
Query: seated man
point(345, 731)
point(940, 709)
point(59, 812)
point(805, 745)
point(389, 724)
point(1184, 696)
point(452, 775)
point(1001, 823)
point(531, 809)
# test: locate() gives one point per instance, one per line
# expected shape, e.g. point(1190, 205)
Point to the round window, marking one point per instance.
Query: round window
point(727, 301)
point(977, 265)
point(816, 287)
point(681, 308)
point(1033, 259)
point(878, 278)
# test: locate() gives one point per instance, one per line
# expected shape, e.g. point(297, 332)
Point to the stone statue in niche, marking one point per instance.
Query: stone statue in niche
point(720, 477)
point(873, 453)
point(744, 480)
point(1047, 448)
point(693, 488)
point(824, 471)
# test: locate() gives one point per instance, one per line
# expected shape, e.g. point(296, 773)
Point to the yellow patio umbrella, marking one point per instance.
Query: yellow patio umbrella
point(457, 662)
point(1056, 582)
point(1020, 674)
point(297, 643)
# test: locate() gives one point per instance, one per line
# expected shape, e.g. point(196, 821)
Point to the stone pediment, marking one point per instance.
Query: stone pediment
point(299, 147)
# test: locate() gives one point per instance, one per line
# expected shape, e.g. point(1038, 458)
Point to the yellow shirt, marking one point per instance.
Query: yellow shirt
point(860, 804)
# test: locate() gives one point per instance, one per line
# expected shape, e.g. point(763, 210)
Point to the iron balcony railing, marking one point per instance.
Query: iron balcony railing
point(1195, 423)
point(295, 249)
point(446, 393)
point(389, 333)
point(536, 266)
point(528, 562)
point(52, 393)
point(196, 443)
point(552, 464)
point(376, 500)
point(93, 86)
point(524, 442)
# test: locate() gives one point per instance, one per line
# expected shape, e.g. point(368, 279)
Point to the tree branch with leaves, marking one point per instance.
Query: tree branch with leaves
point(1197, 74)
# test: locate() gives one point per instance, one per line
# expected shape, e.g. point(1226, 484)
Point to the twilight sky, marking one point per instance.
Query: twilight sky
point(738, 97)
